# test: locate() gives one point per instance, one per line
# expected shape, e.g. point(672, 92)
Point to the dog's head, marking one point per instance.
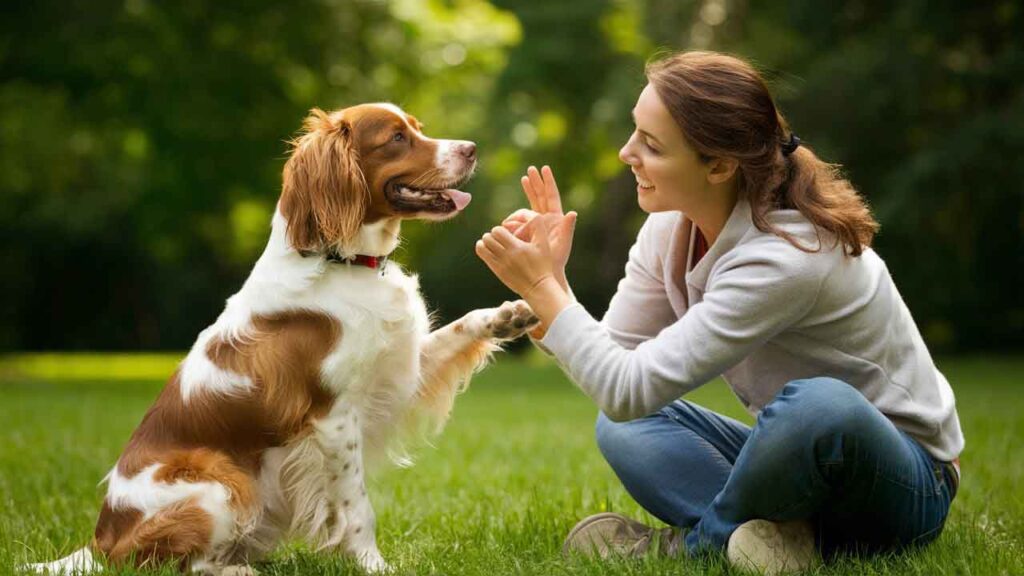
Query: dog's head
point(367, 163)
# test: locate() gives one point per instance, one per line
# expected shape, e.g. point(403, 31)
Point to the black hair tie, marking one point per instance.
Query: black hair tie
point(791, 146)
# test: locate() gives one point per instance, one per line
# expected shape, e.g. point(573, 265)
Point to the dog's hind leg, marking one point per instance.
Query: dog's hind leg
point(189, 508)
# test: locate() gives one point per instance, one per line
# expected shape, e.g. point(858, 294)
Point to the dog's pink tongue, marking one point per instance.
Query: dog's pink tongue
point(460, 198)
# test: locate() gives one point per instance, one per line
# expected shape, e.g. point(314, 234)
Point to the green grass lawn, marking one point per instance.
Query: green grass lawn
point(516, 468)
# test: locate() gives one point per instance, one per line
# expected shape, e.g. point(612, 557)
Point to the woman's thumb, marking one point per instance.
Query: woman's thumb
point(568, 223)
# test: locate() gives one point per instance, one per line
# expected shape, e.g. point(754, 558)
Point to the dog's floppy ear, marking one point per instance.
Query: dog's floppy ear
point(324, 196)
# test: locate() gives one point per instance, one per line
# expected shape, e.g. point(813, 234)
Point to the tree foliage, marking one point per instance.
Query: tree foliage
point(143, 141)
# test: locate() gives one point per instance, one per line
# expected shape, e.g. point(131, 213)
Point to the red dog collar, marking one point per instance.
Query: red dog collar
point(374, 262)
point(364, 260)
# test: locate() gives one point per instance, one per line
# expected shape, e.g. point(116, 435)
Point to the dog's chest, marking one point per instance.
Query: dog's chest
point(383, 323)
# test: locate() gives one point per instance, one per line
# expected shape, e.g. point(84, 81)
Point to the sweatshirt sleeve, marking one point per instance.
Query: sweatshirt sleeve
point(748, 301)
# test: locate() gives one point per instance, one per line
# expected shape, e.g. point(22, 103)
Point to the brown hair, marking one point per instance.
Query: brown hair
point(724, 109)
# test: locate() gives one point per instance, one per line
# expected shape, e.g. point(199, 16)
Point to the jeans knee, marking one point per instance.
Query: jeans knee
point(614, 439)
point(818, 406)
point(821, 390)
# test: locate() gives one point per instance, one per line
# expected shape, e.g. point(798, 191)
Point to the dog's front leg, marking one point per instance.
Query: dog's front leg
point(352, 522)
point(361, 537)
point(452, 353)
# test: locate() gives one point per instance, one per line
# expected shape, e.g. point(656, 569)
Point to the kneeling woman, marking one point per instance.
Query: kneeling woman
point(755, 263)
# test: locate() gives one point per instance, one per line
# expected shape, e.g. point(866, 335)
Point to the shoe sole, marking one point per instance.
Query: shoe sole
point(772, 548)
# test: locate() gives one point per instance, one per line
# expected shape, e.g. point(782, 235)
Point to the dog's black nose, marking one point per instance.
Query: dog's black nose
point(468, 150)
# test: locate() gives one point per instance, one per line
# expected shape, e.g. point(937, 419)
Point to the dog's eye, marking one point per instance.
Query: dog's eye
point(398, 137)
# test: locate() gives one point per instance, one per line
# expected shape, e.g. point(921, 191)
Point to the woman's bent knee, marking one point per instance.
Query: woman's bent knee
point(821, 406)
point(613, 437)
point(821, 391)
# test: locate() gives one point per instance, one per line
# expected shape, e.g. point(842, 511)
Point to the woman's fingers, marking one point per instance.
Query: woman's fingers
point(541, 189)
point(522, 214)
point(516, 222)
point(519, 217)
point(540, 237)
point(538, 228)
point(531, 194)
point(568, 223)
point(552, 199)
point(537, 185)
point(504, 237)
point(492, 244)
point(485, 253)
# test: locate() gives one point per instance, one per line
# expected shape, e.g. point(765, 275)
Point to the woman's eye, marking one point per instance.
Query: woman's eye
point(398, 137)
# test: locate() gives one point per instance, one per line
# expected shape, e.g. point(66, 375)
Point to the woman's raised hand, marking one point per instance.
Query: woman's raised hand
point(542, 192)
point(527, 267)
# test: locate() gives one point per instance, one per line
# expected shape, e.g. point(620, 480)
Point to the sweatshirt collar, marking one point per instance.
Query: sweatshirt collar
point(736, 227)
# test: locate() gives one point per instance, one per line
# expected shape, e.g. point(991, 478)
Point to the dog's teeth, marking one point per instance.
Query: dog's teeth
point(418, 194)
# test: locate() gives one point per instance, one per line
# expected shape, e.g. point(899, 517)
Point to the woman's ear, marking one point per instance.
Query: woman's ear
point(722, 169)
point(324, 195)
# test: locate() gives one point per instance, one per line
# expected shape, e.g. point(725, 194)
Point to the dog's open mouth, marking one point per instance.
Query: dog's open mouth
point(441, 200)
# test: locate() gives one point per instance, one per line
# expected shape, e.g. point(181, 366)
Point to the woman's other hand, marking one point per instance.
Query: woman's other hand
point(542, 192)
point(527, 267)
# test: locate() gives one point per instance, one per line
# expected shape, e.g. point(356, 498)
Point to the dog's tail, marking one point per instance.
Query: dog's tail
point(78, 562)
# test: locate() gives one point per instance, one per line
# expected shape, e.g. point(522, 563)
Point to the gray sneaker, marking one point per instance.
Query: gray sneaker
point(613, 535)
point(773, 548)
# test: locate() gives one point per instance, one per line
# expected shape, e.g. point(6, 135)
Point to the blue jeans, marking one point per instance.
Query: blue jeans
point(819, 451)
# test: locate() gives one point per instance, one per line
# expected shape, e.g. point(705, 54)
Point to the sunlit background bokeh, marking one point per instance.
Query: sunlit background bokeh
point(141, 142)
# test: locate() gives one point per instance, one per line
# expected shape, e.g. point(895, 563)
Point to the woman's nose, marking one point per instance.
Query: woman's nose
point(626, 152)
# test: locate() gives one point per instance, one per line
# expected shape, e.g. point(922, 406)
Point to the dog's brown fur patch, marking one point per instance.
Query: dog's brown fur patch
point(216, 437)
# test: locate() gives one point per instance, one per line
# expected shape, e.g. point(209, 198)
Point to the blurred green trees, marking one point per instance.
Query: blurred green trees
point(142, 142)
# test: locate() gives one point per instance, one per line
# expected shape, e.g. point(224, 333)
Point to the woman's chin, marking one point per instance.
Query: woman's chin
point(647, 199)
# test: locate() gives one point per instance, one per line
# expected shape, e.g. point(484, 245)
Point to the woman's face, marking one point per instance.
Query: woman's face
point(669, 172)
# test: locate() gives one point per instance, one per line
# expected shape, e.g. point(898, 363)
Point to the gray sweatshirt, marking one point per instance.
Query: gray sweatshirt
point(760, 312)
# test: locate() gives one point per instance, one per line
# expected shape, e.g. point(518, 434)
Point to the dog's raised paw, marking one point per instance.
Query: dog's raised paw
point(511, 320)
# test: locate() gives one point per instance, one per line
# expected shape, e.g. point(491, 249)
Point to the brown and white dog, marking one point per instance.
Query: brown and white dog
point(264, 431)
